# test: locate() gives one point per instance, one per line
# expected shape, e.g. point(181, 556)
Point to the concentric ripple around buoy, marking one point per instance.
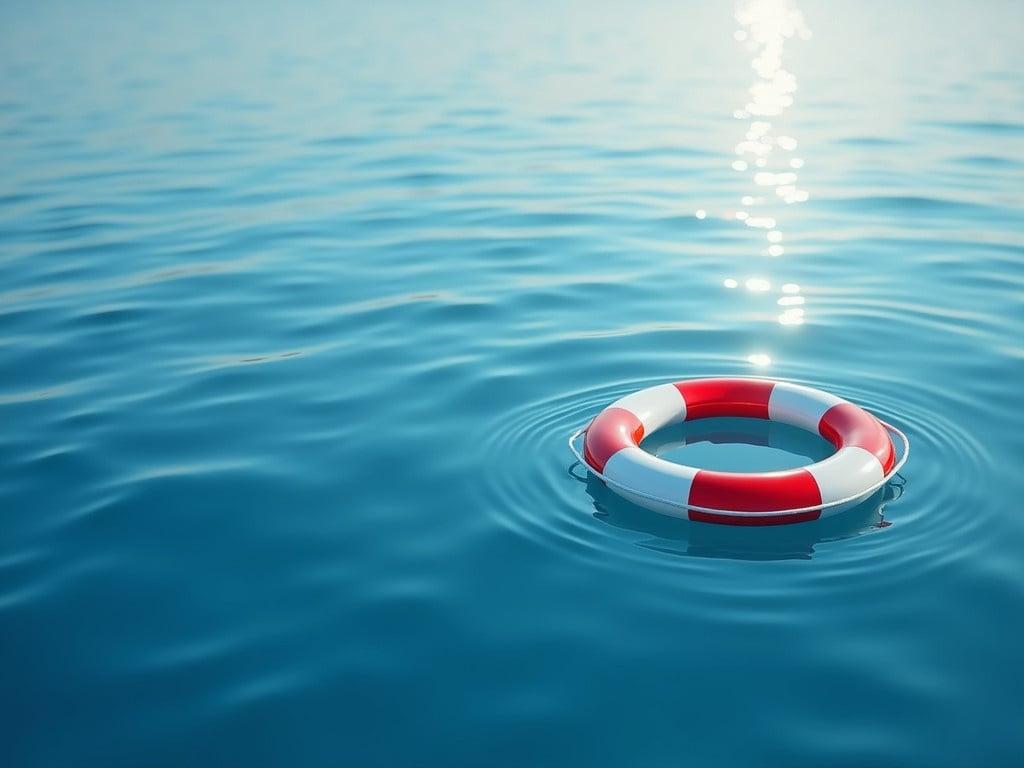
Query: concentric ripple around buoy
point(539, 491)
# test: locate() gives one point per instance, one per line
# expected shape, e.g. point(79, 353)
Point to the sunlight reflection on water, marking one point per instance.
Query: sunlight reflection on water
point(765, 27)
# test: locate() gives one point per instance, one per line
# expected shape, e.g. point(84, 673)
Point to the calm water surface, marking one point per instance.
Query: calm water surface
point(298, 306)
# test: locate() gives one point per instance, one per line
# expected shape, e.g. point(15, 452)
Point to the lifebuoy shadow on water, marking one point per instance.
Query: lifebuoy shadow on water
point(677, 536)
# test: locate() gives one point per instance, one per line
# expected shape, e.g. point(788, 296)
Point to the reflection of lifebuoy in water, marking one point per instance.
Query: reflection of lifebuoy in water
point(864, 461)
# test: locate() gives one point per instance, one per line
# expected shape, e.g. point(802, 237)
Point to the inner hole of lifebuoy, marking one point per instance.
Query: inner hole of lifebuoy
point(737, 445)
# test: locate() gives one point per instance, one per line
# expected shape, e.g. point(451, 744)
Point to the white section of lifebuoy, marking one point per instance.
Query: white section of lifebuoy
point(799, 406)
point(633, 467)
point(845, 473)
point(656, 407)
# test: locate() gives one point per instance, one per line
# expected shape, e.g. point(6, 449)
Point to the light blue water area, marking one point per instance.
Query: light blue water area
point(299, 304)
point(738, 445)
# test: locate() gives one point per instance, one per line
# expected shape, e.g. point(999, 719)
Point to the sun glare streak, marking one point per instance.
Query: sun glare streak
point(763, 29)
point(762, 154)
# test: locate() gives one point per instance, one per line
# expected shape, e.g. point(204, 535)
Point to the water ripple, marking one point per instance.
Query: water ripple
point(543, 501)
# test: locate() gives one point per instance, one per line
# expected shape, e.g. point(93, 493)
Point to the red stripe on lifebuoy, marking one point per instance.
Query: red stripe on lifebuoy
point(846, 425)
point(706, 398)
point(760, 492)
point(612, 430)
point(796, 517)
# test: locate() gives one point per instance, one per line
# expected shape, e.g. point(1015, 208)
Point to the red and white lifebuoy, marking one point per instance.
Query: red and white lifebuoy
point(864, 460)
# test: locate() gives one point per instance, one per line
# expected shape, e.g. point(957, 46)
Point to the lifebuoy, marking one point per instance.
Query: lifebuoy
point(863, 462)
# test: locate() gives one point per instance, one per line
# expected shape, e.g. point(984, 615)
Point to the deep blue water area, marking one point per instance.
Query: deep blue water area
point(299, 304)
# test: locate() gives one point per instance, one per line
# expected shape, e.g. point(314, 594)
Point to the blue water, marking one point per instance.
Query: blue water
point(299, 304)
